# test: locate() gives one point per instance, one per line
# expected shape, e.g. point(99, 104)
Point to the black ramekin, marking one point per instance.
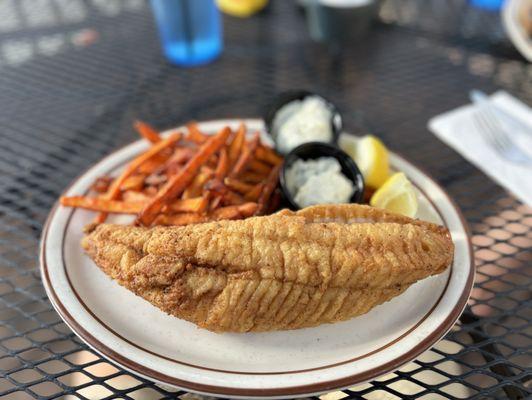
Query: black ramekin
point(286, 97)
point(313, 150)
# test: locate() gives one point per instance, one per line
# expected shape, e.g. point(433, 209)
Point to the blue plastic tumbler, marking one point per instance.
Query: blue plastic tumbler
point(491, 5)
point(190, 30)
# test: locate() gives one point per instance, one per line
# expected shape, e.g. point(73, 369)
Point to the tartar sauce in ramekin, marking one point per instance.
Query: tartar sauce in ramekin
point(318, 181)
point(302, 121)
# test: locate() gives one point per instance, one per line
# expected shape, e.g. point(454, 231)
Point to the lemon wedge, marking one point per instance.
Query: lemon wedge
point(396, 195)
point(370, 155)
point(241, 8)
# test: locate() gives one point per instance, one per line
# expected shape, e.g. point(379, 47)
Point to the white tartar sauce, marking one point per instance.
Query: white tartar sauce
point(302, 121)
point(318, 181)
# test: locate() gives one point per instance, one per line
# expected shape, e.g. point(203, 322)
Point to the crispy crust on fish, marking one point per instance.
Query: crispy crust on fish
point(289, 270)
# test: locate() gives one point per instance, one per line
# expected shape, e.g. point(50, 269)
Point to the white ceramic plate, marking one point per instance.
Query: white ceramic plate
point(136, 335)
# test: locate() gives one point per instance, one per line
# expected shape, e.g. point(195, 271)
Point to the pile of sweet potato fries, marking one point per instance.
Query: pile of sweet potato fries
point(188, 178)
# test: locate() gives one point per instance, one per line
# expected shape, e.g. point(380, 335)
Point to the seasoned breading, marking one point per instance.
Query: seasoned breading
point(284, 271)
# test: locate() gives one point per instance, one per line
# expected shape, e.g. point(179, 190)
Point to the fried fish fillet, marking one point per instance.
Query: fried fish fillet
point(284, 271)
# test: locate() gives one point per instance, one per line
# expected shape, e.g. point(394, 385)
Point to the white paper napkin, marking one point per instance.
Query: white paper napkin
point(457, 129)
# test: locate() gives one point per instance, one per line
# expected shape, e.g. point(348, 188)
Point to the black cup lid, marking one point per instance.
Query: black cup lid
point(314, 150)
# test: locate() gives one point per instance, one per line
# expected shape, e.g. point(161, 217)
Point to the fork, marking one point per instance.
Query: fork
point(494, 132)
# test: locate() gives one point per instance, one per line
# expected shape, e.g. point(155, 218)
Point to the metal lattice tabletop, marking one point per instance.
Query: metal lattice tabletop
point(74, 74)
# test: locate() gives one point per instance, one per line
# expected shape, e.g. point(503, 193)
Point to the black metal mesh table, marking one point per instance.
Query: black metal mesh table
point(74, 74)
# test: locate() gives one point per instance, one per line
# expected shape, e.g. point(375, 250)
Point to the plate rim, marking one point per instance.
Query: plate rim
point(322, 386)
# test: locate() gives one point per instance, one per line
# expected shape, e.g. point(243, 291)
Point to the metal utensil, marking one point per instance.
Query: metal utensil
point(513, 123)
point(495, 132)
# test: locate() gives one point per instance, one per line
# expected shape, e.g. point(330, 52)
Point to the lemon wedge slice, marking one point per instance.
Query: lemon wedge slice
point(370, 155)
point(396, 195)
point(241, 8)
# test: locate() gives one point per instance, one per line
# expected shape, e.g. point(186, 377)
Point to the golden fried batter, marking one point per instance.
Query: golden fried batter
point(284, 271)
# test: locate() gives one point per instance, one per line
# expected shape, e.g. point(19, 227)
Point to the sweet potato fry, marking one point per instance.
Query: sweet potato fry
point(173, 169)
point(230, 212)
point(252, 177)
point(245, 156)
point(212, 163)
point(230, 139)
point(268, 156)
point(134, 182)
point(223, 164)
point(177, 183)
point(137, 162)
point(132, 196)
point(222, 168)
point(195, 204)
point(155, 179)
point(207, 170)
point(275, 201)
point(194, 134)
point(215, 186)
point(152, 164)
point(237, 143)
point(150, 191)
point(247, 209)
point(181, 155)
point(254, 194)
point(259, 167)
point(101, 184)
point(237, 186)
point(180, 219)
point(114, 189)
point(206, 200)
point(227, 196)
point(215, 203)
point(129, 207)
point(231, 198)
point(196, 187)
point(235, 212)
point(269, 187)
point(100, 204)
point(147, 132)
point(214, 190)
